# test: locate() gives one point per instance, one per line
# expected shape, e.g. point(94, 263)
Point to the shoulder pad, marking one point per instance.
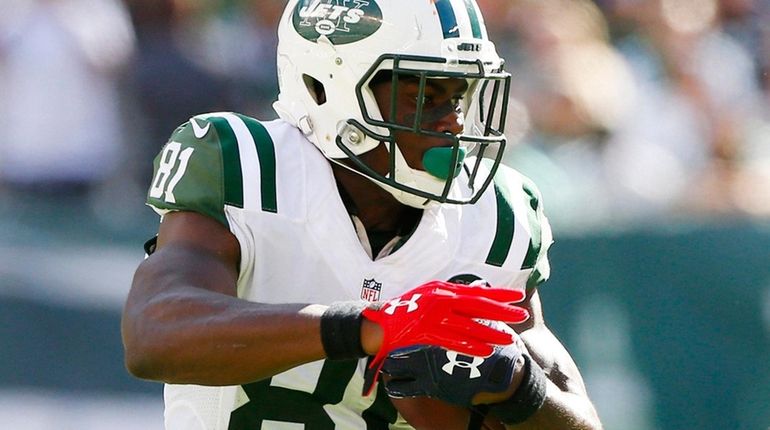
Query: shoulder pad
point(200, 167)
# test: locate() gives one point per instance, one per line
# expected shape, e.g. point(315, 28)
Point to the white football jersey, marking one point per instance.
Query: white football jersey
point(276, 193)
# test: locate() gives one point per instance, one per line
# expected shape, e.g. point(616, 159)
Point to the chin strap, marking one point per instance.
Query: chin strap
point(402, 196)
point(291, 113)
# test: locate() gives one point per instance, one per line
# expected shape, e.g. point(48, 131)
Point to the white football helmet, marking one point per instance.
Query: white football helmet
point(338, 46)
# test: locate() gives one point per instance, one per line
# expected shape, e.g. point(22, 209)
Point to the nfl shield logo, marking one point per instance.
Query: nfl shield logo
point(370, 290)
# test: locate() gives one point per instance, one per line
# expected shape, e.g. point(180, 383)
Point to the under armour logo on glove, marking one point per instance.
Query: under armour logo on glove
point(435, 372)
point(444, 314)
point(411, 304)
point(454, 362)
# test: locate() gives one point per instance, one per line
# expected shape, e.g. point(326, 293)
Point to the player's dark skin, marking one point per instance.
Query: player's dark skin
point(184, 324)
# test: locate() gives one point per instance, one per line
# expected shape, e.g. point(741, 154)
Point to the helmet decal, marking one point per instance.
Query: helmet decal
point(459, 18)
point(341, 21)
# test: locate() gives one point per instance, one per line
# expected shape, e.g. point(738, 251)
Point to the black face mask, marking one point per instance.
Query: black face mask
point(488, 92)
point(430, 116)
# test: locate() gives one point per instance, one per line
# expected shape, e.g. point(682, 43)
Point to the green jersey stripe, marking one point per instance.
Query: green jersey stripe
point(280, 404)
point(535, 279)
point(534, 243)
point(266, 155)
point(533, 217)
point(231, 164)
point(501, 244)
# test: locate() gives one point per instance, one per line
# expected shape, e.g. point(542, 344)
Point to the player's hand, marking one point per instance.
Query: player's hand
point(444, 314)
point(449, 376)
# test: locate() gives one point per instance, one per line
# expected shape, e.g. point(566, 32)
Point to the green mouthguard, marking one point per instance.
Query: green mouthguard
point(437, 161)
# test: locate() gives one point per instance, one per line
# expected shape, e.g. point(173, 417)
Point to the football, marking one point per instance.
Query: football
point(425, 413)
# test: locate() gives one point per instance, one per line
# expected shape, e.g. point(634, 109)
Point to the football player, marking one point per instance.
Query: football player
point(299, 259)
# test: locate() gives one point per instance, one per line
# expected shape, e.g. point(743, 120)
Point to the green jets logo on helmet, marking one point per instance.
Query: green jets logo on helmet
point(342, 21)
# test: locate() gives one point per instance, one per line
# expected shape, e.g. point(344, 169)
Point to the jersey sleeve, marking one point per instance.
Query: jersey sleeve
point(193, 171)
point(521, 198)
point(542, 237)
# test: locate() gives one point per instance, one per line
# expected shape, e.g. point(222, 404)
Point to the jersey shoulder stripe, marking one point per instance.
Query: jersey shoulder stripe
point(202, 168)
point(501, 244)
point(519, 204)
point(232, 174)
point(267, 165)
point(534, 211)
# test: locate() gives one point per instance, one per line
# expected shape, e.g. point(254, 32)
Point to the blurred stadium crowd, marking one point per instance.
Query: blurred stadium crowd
point(627, 114)
point(624, 110)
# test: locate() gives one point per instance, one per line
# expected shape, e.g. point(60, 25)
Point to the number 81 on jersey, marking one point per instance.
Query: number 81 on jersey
point(171, 157)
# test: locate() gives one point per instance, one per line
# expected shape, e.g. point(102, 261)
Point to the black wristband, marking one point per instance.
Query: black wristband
point(341, 330)
point(527, 399)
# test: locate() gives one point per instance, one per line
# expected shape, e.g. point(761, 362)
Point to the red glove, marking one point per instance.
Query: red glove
point(442, 314)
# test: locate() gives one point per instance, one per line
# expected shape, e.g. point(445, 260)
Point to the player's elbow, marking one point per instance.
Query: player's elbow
point(144, 354)
point(147, 359)
point(138, 365)
point(138, 357)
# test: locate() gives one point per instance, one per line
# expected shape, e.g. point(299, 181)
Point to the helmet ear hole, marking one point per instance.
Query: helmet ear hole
point(315, 88)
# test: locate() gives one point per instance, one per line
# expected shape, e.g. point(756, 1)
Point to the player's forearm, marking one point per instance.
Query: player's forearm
point(567, 405)
point(185, 334)
point(562, 411)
